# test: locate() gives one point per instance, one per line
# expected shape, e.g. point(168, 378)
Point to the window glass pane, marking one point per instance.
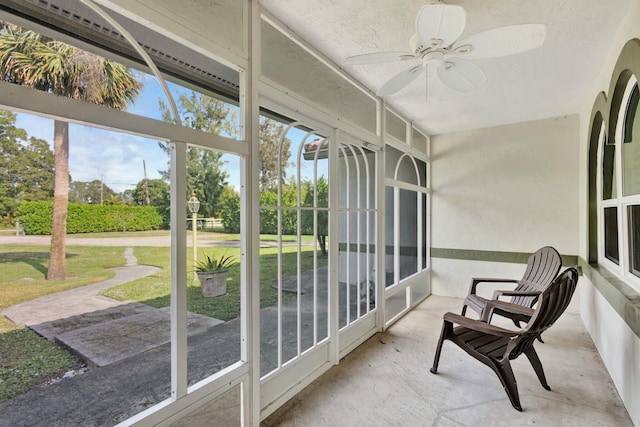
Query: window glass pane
point(356, 233)
point(389, 236)
point(425, 229)
point(118, 241)
point(419, 290)
point(422, 173)
point(408, 233)
point(225, 409)
point(634, 239)
point(213, 293)
point(631, 147)
point(396, 127)
point(392, 156)
point(609, 185)
point(420, 141)
point(611, 234)
point(396, 304)
point(406, 171)
point(294, 226)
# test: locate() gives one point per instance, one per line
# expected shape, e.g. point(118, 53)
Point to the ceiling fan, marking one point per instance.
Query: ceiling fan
point(436, 44)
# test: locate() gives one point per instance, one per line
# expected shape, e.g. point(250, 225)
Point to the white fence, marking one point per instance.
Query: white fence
point(206, 223)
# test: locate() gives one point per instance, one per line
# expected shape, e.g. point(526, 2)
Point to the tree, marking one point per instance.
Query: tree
point(94, 192)
point(159, 196)
point(26, 166)
point(270, 134)
point(30, 59)
point(157, 190)
point(205, 173)
point(322, 222)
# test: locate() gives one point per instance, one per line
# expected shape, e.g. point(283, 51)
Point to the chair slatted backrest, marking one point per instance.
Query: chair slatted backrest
point(542, 267)
point(552, 303)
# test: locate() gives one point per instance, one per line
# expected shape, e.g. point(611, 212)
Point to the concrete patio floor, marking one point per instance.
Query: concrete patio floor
point(386, 382)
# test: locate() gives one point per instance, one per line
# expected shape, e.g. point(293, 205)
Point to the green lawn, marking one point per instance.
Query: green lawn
point(27, 359)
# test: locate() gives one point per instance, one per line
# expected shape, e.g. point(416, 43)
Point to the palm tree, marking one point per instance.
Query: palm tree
point(30, 59)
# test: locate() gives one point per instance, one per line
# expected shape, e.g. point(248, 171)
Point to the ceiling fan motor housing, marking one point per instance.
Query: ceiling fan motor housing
point(418, 47)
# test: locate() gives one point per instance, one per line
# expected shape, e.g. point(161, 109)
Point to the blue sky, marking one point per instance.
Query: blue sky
point(117, 158)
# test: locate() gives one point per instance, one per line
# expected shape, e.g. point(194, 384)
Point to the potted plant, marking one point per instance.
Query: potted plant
point(212, 272)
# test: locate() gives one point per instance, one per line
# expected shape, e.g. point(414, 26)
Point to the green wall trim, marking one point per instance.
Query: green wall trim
point(493, 256)
point(623, 299)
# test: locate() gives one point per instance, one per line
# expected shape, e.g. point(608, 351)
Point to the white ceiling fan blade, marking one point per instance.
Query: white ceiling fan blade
point(440, 24)
point(426, 84)
point(399, 81)
point(378, 58)
point(461, 75)
point(502, 41)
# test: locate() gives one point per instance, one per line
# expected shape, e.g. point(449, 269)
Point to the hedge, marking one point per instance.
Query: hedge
point(35, 218)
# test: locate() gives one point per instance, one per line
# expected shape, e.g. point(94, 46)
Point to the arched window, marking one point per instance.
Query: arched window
point(619, 187)
point(631, 179)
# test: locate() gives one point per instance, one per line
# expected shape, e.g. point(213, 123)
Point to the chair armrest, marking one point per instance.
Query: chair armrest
point(478, 325)
point(476, 280)
point(487, 313)
point(500, 293)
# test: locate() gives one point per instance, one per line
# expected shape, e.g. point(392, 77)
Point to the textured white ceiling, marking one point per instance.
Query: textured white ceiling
point(547, 82)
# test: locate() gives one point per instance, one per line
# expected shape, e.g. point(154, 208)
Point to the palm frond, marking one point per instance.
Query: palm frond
point(30, 59)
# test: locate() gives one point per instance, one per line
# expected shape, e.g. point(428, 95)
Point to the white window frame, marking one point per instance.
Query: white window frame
point(423, 271)
point(618, 200)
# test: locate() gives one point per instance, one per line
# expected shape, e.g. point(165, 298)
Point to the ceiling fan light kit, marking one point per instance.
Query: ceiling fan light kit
point(435, 44)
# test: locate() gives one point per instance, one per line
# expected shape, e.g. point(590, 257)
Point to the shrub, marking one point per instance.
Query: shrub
point(35, 218)
point(230, 213)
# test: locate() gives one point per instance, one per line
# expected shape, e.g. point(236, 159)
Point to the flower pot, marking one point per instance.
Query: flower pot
point(213, 283)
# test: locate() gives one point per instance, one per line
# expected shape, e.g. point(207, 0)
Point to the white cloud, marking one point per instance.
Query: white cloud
point(116, 158)
point(99, 154)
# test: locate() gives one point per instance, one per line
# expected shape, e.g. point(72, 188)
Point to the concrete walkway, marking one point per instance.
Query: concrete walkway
point(42, 313)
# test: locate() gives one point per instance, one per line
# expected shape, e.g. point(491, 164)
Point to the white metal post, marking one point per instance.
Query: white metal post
point(250, 220)
point(380, 202)
point(178, 154)
point(333, 312)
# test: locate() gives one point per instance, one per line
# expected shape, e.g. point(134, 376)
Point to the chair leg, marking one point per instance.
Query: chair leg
point(537, 366)
point(508, 380)
point(446, 328)
point(540, 338)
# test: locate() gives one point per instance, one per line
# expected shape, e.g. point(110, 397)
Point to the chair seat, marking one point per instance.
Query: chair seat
point(488, 345)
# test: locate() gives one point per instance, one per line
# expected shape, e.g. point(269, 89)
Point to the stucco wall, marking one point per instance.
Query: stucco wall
point(617, 343)
point(508, 188)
